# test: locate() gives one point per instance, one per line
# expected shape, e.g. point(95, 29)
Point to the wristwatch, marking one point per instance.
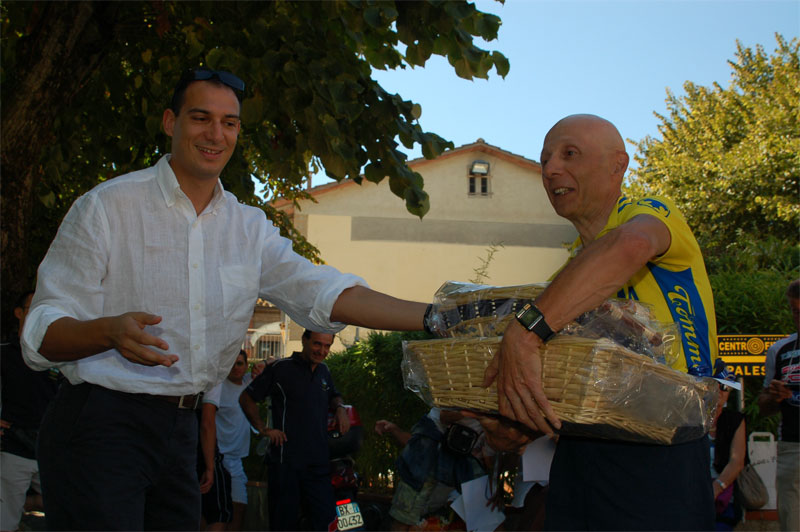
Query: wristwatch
point(721, 483)
point(532, 319)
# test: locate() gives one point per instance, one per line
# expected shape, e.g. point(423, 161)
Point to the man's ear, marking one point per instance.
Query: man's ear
point(18, 313)
point(621, 162)
point(168, 121)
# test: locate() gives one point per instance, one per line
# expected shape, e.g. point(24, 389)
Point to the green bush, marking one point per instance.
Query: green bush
point(749, 284)
point(368, 376)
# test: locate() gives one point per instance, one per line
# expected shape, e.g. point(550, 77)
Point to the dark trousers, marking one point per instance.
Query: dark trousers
point(609, 485)
point(308, 488)
point(115, 461)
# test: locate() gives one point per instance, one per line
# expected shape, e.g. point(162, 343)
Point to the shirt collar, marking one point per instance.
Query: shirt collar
point(170, 188)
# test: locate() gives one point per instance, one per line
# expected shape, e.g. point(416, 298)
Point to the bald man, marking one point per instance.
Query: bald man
point(638, 249)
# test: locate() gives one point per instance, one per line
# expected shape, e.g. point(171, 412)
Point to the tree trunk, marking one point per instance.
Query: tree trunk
point(63, 33)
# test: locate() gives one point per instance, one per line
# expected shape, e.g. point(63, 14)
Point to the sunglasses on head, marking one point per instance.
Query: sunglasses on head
point(225, 77)
point(724, 388)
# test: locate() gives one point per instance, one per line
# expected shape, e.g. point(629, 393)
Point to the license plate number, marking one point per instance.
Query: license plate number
point(349, 516)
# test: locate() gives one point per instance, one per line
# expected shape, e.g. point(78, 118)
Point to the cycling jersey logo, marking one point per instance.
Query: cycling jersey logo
point(688, 312)
point(656, 205)
point(623, 202)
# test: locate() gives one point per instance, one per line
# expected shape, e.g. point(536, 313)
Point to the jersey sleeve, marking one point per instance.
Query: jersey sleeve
point(682, 246)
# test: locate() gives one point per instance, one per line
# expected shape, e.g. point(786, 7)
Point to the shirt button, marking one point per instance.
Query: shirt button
point(197, 306)
point(196, 347)
point(194, 265)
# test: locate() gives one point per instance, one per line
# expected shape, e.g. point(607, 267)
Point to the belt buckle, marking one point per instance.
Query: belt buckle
point(196, 397)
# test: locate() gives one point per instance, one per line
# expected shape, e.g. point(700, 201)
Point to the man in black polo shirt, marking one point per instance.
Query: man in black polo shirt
point(302, 391)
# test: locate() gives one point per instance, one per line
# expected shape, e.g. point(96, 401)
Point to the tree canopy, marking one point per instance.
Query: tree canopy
point(84, 86)
point(730, 157)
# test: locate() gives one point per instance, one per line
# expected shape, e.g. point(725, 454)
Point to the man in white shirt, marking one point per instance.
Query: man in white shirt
point(143, 301)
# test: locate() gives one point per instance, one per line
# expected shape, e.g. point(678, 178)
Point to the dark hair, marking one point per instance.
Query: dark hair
point(242, 353)
point(307, 334)
point(793, 290)
point(20, 302)
point(218, 78)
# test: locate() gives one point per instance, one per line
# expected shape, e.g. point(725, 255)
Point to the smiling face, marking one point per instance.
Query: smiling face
point(316, 347)
point(583, 161)
point(204, 133)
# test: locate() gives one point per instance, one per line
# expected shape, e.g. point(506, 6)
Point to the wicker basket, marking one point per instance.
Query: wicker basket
point(596, 387)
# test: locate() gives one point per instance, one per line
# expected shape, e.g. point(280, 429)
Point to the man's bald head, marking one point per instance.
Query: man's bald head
point(583, 164)
point(601, 129)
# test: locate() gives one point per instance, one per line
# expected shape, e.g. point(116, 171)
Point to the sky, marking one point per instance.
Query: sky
point(615, 59)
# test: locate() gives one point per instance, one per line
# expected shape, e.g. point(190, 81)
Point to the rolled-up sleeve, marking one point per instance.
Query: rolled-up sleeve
point(305, 291)
point(69, 282)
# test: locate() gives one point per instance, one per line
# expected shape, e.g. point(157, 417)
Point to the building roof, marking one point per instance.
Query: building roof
point(479, 146)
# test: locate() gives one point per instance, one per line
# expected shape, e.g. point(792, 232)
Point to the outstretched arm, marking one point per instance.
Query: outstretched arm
point(359, 305)
point(383, 426)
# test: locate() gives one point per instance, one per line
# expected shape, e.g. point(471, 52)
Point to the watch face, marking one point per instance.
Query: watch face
point(528, 316)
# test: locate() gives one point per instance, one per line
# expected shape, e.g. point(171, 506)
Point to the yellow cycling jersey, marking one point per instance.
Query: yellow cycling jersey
point(675, 284)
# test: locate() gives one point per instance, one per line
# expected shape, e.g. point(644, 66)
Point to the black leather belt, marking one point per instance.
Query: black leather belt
point(184, 402)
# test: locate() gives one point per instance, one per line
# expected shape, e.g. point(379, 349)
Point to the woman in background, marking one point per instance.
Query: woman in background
point(728, 449)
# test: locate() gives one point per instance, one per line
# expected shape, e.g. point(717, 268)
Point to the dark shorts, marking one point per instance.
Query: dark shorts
point(609, 485)
point(217, 503)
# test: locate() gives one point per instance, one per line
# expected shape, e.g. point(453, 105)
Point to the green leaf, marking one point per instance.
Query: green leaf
point(501, 64)
point(252, 111)
point(373, 17)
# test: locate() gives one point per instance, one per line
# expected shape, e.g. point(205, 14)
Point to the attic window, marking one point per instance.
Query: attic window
point(479, 178)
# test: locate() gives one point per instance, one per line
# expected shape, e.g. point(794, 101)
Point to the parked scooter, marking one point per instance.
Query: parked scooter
point(344, 478)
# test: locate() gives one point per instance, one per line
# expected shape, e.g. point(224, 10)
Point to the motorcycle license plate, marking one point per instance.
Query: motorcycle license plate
point(349, 516)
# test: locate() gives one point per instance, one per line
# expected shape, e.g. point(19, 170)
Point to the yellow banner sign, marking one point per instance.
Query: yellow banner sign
point(744, 354)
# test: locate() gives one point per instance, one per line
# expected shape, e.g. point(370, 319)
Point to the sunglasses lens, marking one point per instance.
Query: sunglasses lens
point(230, 80)
point(225, 77)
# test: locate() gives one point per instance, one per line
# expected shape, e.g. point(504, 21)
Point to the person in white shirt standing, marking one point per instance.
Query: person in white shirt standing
point(143, 301)
point(233, 435)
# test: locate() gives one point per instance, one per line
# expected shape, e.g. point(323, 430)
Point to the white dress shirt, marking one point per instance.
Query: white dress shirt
point(135, 243)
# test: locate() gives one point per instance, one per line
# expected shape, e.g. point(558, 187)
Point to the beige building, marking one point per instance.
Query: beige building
point(481, 197)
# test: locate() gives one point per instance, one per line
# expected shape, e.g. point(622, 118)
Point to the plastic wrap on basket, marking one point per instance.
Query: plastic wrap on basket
point(596, 387)
point(632, 325)
point(472, 310)
point(467, 309)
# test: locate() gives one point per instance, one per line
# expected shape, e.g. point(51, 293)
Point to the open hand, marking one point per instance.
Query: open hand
point(126, 333)
point(517, 366)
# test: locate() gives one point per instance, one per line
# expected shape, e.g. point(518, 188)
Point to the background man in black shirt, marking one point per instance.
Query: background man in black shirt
point(302, 391)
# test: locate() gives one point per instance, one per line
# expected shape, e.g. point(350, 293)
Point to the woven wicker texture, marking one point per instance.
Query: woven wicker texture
point(595, 386)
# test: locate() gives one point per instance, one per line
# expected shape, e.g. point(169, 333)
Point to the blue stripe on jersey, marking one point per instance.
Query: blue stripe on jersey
point(689, 313)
